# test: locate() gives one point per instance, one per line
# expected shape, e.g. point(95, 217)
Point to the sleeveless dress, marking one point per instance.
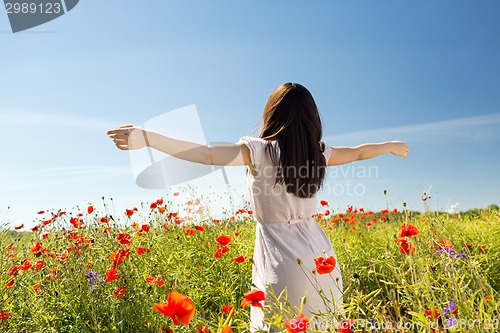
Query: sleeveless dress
point(286, 232)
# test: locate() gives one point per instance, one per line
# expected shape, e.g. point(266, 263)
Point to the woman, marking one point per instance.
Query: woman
point(285, 170)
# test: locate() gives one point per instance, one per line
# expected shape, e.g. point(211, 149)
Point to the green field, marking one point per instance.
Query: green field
point(445, 277)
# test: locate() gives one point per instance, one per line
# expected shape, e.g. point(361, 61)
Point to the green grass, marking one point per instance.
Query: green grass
point(381, 284)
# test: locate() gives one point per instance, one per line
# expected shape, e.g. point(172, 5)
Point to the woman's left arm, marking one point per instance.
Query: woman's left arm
point(342, 155)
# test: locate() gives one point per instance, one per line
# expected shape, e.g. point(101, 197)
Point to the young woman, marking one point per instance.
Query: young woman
point(285, 170)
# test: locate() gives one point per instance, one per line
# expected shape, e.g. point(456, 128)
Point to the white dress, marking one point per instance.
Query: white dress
point(287, 232)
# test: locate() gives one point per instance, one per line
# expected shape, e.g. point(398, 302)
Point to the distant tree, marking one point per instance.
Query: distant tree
point(493, 207)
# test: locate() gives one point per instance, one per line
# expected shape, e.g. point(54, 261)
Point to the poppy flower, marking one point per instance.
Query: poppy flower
point(39, 265)
point(26, 265)
point(175, 194)
point(179, 308)
point(323, 203)
point(189, 231)
point(11, 283)
point(160, 282)
point(112, 274)
point(345, 326)
point(298, 324)
point(325, 265)
point(36, 248)
point(14, 270)
point(130, 212)
point(141, 250)
point(239, 259)
point(90, 209)
point(124, 238)
point(199, 228)
point(5, 315)
point(407, 230)
point(145, 227)
point(19, 227)
point(227, 329)
point(37, 287)
point(406, 247)
point(202, 329)
point(228, 309)
point(150, 279)
point(432, 314)
point(253, 298)
point(119, 256)
point(220, 250)
point(223, 240)
point(119, 292)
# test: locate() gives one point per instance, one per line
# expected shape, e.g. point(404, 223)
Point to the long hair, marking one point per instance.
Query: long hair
point(291, 118)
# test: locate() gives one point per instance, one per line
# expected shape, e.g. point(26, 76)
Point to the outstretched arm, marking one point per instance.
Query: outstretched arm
point(130, 137)
point(342, 155)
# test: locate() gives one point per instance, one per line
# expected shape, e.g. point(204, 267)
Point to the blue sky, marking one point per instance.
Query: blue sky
point(427, 72)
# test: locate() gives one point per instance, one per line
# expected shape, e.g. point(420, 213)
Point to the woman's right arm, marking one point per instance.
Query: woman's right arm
point(129, 137)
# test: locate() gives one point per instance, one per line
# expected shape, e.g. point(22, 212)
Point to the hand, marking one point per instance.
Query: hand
point(399, 148)
point(128, 137)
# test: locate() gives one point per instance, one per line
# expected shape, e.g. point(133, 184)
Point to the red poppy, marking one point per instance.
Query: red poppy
point(202, 329)
point(130, 212)
point(19, 227)
point(36, 248)
point(119, 256)
point(90, 209)
point(119, 292)
point(104, 219)
point(406, 247)
point(175, 194)
point(37, 287)
point(432, 314)
point(239, 259)
point(76, 222)
point(112, 274)
point(141, 250)
point(325, 265)
point(227, 329)
point(189, 231)
point(407, 230)
point(345, 326)
point(145, 227)
point(179, 308)
point(124, 238)
point(220, 250)
point(298, 324)
point(323, 203)
point(10, 283)
point(14, 270)
point(228, 309)
point(150, 279)
point(166, 330)
point(199, 228)
point(160, 282)
point(39, 265)
point(223, 240)
point(5, 315)
point(253, 298)
point(26, 265)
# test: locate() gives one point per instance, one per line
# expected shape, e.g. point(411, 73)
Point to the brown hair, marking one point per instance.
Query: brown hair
point(291, 118)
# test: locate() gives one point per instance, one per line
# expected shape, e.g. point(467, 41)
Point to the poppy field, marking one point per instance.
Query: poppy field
point(166, 268)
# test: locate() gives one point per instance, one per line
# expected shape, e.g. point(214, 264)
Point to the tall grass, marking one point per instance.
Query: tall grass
point(452, 272)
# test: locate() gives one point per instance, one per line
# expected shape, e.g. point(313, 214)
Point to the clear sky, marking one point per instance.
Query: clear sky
point(427, 72)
